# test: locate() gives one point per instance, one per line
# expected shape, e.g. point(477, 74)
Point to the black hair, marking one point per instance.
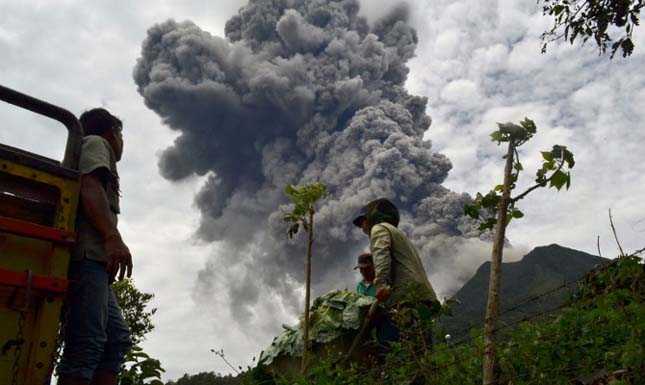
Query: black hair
point(98, 121)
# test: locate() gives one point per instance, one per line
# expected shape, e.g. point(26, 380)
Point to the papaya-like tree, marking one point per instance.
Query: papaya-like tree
point(304, 200)
point(497, 208)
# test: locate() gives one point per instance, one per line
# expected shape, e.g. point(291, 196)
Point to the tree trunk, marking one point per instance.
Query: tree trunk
point(305, 337)
point(492, 308)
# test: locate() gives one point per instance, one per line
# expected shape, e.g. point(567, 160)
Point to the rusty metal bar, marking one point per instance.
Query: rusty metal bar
point(74, 129)
point(33, 230)
point(30, 281)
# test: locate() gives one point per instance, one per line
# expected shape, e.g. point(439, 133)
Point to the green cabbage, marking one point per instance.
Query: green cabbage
point(331, 315)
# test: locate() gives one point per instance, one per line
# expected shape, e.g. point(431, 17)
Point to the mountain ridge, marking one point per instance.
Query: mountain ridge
point(538, 283)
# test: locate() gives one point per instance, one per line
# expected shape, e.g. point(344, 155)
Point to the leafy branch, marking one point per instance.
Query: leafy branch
point(140, 369)
point(553, 160)
point(304, 199)
point(593, 19)
point(554, 172)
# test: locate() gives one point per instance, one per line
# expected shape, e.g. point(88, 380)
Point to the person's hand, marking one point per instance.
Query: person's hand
point(119, 259)
point(382, 293)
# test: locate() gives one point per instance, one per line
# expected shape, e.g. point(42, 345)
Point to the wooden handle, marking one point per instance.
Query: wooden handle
point(361, 331)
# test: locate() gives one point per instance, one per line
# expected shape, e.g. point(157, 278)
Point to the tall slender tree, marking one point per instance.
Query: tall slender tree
point(302, 215)
point(496, 211)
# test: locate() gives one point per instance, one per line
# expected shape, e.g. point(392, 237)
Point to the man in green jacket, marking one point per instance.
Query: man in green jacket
point(399, 272)
point(398, 268)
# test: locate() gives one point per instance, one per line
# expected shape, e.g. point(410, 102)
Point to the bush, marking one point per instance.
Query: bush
point(600, 333)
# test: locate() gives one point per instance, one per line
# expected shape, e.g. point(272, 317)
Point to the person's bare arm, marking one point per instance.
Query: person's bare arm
point(96, 208)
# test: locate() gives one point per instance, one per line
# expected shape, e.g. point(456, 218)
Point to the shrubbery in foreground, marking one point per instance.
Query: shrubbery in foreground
point(600, 333)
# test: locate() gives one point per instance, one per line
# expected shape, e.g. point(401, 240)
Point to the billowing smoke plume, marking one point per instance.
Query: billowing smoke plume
point(299, 91)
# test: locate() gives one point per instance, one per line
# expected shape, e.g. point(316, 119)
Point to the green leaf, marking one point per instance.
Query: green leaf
point(547, 156)
point(540, 175)
point(559, 179)
point(529, 127)
point(518, 166)
point(516, 213)
point(488, 225)
point(471, 211)
point(568, 157)
point(497, 136)
point(627, 46)
point(287, 218)
point(293, 230)
point(490, 200)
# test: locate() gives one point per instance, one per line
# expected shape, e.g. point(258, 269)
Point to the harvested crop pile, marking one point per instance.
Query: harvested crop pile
point(331, 316)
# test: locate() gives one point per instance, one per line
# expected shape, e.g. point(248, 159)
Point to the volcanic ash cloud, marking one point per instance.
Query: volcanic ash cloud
point(298, 91)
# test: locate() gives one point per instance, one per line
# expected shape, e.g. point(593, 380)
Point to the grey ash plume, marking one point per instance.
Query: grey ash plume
point(298, 91)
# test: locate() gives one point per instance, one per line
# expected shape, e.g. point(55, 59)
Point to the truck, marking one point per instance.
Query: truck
point(38, 202)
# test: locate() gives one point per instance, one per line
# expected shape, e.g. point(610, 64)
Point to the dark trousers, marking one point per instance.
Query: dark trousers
point(96, 335)
point(387, 331)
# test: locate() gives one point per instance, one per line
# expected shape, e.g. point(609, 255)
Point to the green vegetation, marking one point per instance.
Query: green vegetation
point(555, 164)
point(332, 316)
point(501, 209)
point(139, 367)
point(597, 19)
point(599, 333)
point(133, 303)
point(206, 378)
point(304, 201)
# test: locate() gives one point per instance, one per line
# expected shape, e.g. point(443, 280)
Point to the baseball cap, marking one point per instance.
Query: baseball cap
point(364, 260)
point(360, 216)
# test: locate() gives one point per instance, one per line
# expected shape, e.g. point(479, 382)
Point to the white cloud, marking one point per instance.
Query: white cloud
point(488, 59)
point(448, 43)
point(513, 19)
point(463, 92)
point(523, 59)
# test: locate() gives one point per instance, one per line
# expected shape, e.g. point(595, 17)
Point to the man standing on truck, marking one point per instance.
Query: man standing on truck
point(96, 335)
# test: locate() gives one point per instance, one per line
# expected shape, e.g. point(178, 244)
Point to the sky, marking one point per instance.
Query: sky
point(477, 62)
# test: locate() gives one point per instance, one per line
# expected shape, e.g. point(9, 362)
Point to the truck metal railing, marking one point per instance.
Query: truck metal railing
point(38, 205)
point(74, 129)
